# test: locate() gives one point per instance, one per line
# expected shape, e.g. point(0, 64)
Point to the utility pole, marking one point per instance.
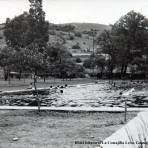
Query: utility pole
point(93, 35)
point(93, 31)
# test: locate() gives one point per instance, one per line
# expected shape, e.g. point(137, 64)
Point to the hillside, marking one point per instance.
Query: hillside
point(2, 39)
point(80, 37)
point(77, 40)
point(88, 26)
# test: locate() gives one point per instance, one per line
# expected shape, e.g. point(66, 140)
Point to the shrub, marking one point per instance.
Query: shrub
point(88, 63)
point(71, 37)
point(52, 32)
point(78, 60)
point(78, 34)
point(76, 46)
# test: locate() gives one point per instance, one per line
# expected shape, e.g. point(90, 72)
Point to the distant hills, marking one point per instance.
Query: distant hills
point(81, 35)
point(77, 41)
point(88, 26)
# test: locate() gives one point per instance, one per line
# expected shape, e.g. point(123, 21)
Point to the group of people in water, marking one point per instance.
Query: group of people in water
point(58, 87)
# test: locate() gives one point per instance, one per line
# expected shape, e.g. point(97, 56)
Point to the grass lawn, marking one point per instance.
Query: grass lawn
point(56, 129)
point(16, 84)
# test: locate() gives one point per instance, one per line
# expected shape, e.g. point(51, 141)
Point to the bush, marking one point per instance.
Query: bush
point(88, 63)
point(71, 37)
point(68, 69)
point(78, 60)
point(52, 32)
point(78, 34)
point(76, 46)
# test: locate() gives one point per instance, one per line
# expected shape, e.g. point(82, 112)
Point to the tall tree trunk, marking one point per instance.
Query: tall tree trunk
point(121, 72)
point(111, 71)
point(44, 77)
point(102, 68)
point(9, 78)
point(20, 74)
point(5, 74)
point(125, 70)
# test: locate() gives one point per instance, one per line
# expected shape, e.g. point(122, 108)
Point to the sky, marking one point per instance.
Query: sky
point(83, 11)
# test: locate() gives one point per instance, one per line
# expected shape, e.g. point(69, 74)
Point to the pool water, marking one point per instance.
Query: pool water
point(83, 95)
point(95, 95)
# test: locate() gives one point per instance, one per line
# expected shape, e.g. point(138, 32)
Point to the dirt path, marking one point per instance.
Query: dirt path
point(56, 129)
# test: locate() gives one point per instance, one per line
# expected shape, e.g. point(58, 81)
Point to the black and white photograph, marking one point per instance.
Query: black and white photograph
point(73, 74)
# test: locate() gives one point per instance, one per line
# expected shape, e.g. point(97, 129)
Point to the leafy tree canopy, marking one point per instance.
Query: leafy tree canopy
point(28, 28)
point(126, 41)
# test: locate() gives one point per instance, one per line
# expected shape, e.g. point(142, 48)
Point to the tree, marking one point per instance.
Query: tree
point(78, 60)
point(76, 46)
point(68, 28)
point(100, 62)
point(88, 63)
point(57, 53)
point(7, 60)
point(60, 59)
point(132, 35)
point(106, 40)
point(28, 28)
point(16, 31)
point(68, 69)
point(39, 28)
point(78, 34)
point(28, 31)
point(28, 35)
point(126, 41)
